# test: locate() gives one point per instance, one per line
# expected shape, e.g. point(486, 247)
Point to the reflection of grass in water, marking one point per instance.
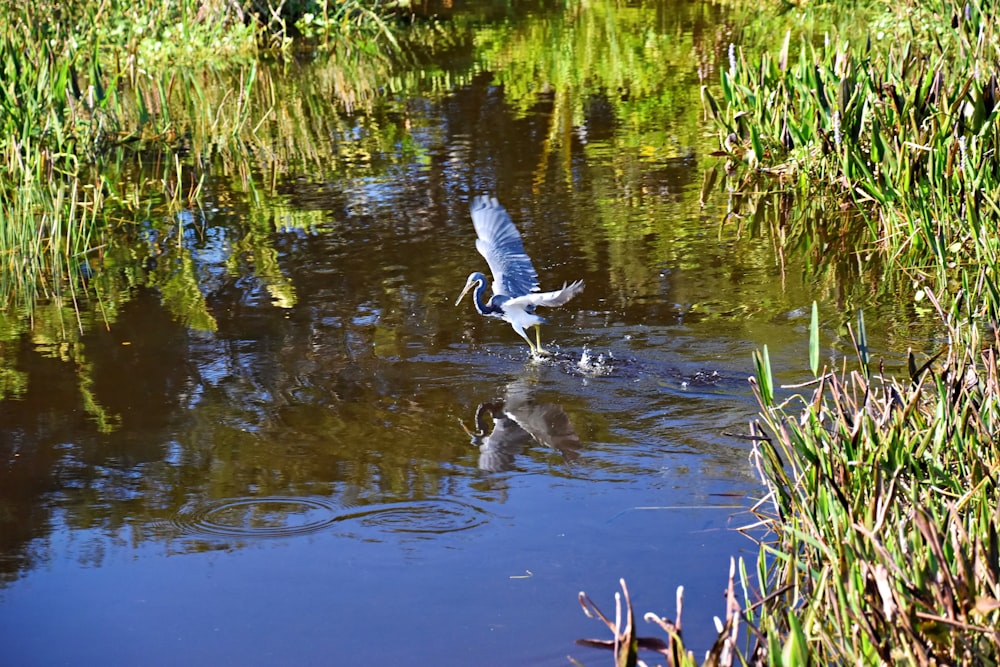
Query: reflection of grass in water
point(44, 238)
point(603, 58)
point(84, 80)
point(90, 88)
point(66, 107)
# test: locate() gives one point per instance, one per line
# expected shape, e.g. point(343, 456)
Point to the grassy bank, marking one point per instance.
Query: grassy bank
point(898, 122)
point(882, 515)
point(882, 491)
point(883, 507)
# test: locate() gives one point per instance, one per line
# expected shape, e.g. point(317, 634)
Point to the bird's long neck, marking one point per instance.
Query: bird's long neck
point(484, 307)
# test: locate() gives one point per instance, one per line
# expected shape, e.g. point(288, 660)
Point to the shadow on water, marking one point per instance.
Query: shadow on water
point(258, 449)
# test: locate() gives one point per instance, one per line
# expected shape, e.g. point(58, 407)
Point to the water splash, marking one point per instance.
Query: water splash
point(598, 366)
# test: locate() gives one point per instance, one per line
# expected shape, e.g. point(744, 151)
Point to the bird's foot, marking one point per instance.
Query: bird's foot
point(541, 353)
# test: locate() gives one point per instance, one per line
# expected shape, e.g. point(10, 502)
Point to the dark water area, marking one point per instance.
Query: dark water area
point(285, 445)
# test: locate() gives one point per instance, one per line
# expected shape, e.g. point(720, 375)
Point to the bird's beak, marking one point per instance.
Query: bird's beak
point(468, 286)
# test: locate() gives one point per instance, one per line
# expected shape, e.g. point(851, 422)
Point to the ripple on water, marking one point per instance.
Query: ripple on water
point(423, 517)
point(255, 517)
point(280, 516)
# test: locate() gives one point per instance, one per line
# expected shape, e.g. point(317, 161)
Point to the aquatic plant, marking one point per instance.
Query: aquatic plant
point(882, 490)
point(884, 536)
point(901, 126)
point(627, 643)
point(354, 23)
point(87, 83)
point(882, 503)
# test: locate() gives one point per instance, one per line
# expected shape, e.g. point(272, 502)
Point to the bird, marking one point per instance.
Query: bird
point(515, 282)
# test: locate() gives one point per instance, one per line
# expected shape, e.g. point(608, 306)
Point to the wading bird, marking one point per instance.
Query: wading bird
point(515, 281)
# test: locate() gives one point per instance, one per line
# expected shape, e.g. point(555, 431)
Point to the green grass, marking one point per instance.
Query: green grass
point(883, 543)
point(882, 506)
point(884, 535)
point(904, 128)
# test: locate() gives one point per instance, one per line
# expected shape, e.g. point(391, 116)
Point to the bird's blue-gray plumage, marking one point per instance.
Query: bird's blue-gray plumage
point(500, 243)
point(515, 281)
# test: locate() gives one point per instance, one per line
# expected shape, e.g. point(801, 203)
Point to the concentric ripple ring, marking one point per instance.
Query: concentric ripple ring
point(257, 517)
point(422, 517)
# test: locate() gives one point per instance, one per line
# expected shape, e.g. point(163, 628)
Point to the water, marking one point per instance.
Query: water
point(277, 440)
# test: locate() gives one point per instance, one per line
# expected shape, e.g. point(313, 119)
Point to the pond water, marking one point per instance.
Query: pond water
point(283, 443)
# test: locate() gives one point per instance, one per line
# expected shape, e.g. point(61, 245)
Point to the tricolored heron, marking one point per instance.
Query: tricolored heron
point(515, 281)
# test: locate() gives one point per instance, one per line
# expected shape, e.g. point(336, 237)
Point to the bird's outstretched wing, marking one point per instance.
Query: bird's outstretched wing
point(500, 243)
point(548, 299)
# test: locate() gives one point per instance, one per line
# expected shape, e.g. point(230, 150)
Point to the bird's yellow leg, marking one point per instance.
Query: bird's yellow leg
point(531, 346)
point(538, 340)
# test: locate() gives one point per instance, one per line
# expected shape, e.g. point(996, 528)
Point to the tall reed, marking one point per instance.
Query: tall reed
point(883, 509)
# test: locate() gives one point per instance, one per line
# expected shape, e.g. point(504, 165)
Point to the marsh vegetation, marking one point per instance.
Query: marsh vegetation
point(882, 491)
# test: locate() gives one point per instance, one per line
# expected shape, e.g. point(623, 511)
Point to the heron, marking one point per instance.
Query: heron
point(515, 281)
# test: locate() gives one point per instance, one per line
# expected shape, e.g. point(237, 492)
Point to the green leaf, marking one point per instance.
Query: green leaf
point(758, 149)
point(793, 653)
point(814, 340)
point(762, 367)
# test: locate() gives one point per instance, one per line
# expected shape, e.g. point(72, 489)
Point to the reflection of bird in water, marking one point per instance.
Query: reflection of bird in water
point(498, 448)
point(518, 419)
point(515, 281)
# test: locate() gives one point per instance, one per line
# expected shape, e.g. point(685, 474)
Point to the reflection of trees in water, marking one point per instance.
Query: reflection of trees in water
point(267, 404)
point(60, 458)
